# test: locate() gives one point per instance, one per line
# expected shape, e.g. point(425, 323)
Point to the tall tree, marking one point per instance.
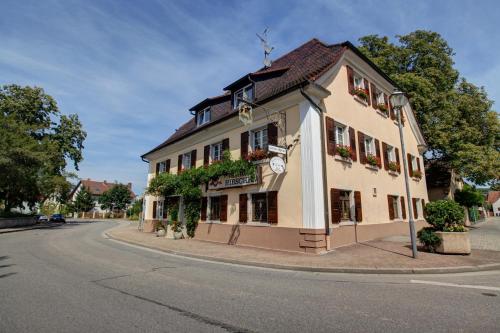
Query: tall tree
point(455, 116)
point(117, 197)
point(36, 142)
point(83, 200)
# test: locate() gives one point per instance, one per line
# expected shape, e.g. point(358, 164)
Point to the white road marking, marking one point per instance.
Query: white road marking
point(445, 284)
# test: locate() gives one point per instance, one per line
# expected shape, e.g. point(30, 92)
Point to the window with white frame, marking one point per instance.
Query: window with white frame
point(216, 151)
point(380, 97)
point(345, 206)
point(341, 135)
point(358, 81)
point(391, 153)
point(203, 116)
point(369, 146)
point(245, 94)
point(414, 165)
point(163, 167)
point(259, 139)
point(159, 209)
point(395, 206)
point(186, 161)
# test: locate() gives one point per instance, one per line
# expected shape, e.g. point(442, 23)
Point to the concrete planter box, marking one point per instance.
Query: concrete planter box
point(160, 233)
point(453, 242)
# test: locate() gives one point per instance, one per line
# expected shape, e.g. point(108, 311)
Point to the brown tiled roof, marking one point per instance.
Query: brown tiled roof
point(493, 196)
point(98, 188)
point(298, 67)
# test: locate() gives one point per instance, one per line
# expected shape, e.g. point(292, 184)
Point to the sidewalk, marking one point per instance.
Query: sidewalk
point(380, 256)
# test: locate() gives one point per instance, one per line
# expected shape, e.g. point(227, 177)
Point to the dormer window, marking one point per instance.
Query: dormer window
point(245, 94)
point(203, 117)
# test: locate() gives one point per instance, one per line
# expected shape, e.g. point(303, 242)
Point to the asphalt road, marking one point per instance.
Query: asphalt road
point(72, 279)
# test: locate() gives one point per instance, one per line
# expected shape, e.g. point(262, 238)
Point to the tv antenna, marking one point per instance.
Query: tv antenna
point(267, 48)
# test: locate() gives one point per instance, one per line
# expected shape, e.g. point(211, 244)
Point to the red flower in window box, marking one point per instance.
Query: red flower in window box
point(361, 93)
point(393, 166)
point(257, 155)
point(383, 108)
point(372, 160)
point(344, 151)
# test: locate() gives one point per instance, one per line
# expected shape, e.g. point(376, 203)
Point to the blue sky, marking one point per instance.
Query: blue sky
point(132, 69)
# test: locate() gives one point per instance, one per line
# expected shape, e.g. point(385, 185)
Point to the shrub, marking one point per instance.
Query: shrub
point(427, 237)
point(444, 213)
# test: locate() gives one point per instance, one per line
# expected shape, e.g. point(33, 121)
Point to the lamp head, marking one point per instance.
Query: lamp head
point(398, 99)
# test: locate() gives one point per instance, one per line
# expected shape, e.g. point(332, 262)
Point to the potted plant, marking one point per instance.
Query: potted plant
point(344, 151)
point(361, 93)
point(160, 229)
point(175, 224)
point(383, 108)
point(257, 155)
point(447, 233)
point(372, 160)
point(417, 174)
point(393, 166)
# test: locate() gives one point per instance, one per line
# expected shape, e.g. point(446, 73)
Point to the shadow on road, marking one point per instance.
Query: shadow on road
point(6, 266)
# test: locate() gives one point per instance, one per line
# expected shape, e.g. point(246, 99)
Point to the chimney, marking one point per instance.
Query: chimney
point(104, 181)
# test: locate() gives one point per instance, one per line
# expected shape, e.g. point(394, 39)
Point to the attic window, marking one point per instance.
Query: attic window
point(203, 117)
point(245, 94)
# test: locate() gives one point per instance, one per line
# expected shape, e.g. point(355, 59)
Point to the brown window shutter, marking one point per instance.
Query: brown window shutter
point(243, 208)
point(373, 91)
point(203, 214)
point(179, 164)
point(223, 207)
point(386, 155)
point(361, 143)
point(352, 139)
point(423, 208)
point(386, 101)
point(167, 166)
point(272, 207)
point(357, 206)
point(410, 166)
point(154, 209)
point(391, 207)
point(206, 155)
point(157, 168)
point(272, 134)
point(350, 80)
point(225, 144)
point(367, 89)
point(193, 158)
point(335, 205)
point(397, 159)
point(330, 136)
point(244, 145)
point(403, 208)
point(377, 153)
point(418, 164)
point(414, 204)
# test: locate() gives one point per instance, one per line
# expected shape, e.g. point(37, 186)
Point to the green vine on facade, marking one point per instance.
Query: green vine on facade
point(188, 184)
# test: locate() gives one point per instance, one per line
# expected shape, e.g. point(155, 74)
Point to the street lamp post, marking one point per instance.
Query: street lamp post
point(398, 100)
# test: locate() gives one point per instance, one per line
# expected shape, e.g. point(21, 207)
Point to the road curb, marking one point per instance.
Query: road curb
point(34, 227)
point(351, 270)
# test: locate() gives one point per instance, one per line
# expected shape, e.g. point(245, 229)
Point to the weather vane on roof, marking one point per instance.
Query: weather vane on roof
point(267, 48)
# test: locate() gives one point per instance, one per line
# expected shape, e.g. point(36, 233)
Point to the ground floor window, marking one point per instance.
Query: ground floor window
point(345, 205)
point(215, 208)
point(395, 206)
point(259, 207)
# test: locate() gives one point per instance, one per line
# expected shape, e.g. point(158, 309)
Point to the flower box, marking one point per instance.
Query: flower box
point(372, 160)
point(361, 93)
point(383, 108)
point(344, 151)
point(453, 242)
point(393, 166)
point(417, 174)
point(257, 155)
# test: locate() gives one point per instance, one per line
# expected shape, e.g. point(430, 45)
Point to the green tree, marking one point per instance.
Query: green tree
point(83, 201)
point(117, 197)
point(455, 116)
point(36, 142)
point(469, 196)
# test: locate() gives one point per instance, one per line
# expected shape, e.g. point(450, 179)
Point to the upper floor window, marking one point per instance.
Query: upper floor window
point(369, 145)
point(391, 153)
point(245, 94)
point(186, 161)
point(216, 151)
point(162, 167)
point(259, 139)
point(203, 117)
point(380, 97)
point(414, 165)
point(341, 135)
point(358, 81)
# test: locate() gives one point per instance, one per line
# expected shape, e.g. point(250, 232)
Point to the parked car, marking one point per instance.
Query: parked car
point(57, 218)
point(42, 218)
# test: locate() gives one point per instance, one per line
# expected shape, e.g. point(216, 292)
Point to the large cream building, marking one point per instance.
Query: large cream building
point(328, 106)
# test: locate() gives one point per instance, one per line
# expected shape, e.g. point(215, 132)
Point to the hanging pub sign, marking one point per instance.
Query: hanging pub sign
point(226, 182)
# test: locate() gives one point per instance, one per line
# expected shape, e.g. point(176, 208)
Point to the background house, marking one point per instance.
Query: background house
point(442, 181)
point(494, 199)
point(96, 189)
